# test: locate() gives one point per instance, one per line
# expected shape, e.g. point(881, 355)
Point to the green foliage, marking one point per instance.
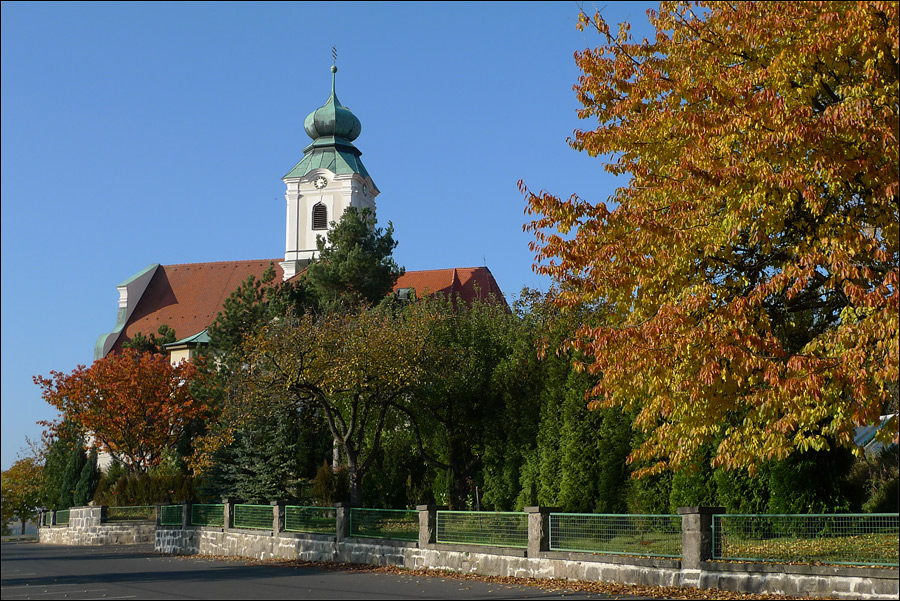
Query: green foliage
point(143, 344)
point(255, 303)
point(20, 489)
point(693, 484)
point(123, 489)
point(457, 406)
point(397, 478)
point(874, 476)
point(812, 482)
point(269, 457)
point(885, 482)
point(330, 486)
point(87, 481)
point(355, 265)
point(75, 462)
point(738, 492)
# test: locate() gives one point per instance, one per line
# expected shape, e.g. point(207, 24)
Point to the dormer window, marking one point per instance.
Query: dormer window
point(319, 217)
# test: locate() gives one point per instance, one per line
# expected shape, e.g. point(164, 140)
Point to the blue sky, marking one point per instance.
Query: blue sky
point(142, 133)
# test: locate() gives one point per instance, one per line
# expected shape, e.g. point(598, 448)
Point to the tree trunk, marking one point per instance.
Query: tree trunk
point(355, 484)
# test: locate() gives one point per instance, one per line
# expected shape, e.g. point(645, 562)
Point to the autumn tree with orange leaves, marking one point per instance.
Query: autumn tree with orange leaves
point(134, 406)
point(749, 269)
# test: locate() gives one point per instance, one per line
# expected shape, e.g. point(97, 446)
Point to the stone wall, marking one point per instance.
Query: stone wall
point(793, 580)
point(694, 569)
point(87, 528)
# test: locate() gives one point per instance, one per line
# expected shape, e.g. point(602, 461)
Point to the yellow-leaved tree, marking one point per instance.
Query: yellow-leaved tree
point(750, 265)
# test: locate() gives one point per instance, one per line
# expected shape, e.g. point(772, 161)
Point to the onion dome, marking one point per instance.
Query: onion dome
point(332, 128)
point(332, 119)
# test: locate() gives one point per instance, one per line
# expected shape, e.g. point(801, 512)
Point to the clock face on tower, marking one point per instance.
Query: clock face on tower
point(320, 182)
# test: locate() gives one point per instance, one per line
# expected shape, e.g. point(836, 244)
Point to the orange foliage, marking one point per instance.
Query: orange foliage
point(750, 265)
point(134, 405)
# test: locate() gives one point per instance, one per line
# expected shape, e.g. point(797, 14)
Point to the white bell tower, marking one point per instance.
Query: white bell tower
point(329, 178)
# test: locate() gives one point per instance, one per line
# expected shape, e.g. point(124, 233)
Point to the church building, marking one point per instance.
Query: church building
point(329, 178)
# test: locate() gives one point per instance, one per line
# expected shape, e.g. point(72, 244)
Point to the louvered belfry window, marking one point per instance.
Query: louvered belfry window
point(319, 217)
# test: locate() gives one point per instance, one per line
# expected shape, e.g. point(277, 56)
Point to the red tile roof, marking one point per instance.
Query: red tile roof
point(469, 282)
point(188, 297)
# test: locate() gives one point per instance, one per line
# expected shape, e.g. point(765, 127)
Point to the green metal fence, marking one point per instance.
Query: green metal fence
point(48, 518)
point(849, 539)
point(62, 517)
point(395, 524)
point(170, 515)
point(208, 515)
point(254, 517)
point(644, 535)
point(137, 513)
point(314, 520)
point(494, 529)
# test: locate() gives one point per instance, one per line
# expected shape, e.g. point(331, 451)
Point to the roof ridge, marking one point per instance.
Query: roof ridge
point(276, 261)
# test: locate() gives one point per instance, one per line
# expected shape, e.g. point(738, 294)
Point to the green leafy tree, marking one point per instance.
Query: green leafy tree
point(267, 455)
point(21, 486)
point(349, 368)
point(455, 403)
point(355, 265)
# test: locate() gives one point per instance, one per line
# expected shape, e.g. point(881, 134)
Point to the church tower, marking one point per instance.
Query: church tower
point(329, 178)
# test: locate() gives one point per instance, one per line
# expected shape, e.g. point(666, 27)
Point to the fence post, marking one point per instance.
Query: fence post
point(186, 514)
point(229, 512)
point(428, 524)
point(158, 514)
point(277, 517)
point(53, 517)
point(539, 529)
point(104, 513)
point(342, 527)
point(696, 535)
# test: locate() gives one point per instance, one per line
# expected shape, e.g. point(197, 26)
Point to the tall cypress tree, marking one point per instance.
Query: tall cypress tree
point(74, 465)
point(87, 481)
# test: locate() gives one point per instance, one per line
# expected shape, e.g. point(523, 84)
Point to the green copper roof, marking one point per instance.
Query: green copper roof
point(336, 159)
point(333, 128)
point(201, 338)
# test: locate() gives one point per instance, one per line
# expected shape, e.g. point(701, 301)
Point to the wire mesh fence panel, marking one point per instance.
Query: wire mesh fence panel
point(495, 529)
point(645, 535)
point(136, 513)
point(254, 517)
point(313, 520)
point(62, 517)
point(212, 514)
point(847, 539)
point(395, 524)
point(170, 515)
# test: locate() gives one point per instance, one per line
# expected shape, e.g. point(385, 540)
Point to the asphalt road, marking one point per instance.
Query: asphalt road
point(34, 571)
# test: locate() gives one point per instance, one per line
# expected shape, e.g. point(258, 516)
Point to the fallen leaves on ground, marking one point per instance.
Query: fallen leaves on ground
point(555, 584)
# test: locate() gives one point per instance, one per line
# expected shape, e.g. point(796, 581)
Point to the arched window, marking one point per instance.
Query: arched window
point(319, 217)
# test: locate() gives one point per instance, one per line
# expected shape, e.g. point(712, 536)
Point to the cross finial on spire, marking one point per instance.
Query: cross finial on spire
point(333, 66)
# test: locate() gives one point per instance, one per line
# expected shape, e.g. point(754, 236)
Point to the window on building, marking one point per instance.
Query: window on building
point(319, 217)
